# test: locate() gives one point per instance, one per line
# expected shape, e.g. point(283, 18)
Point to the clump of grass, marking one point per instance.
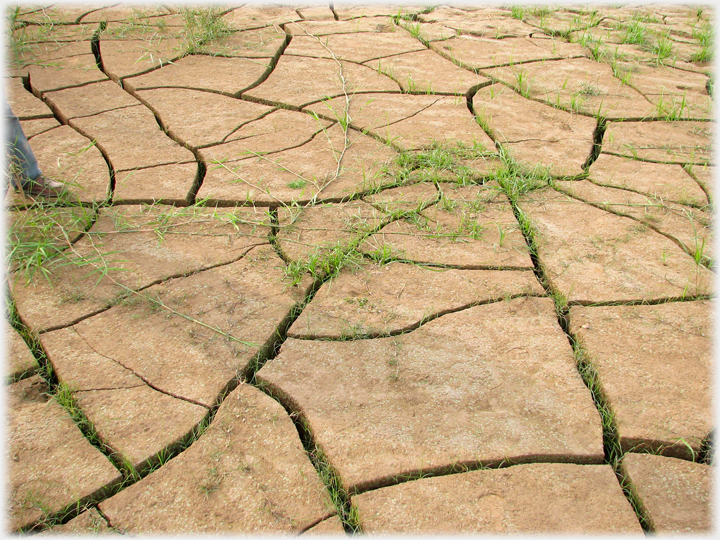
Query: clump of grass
point(39, 238)
point(516, 179)
point(202, 26)
point(323, 263)
point(439, 162)
point(635, 33)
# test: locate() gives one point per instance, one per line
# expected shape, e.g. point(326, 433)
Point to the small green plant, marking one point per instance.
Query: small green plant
point(635, 33)
point(662, 50)
point(518, 12)
point(523, 85)
point(202, 26)
point(672, 109)
point(297, 184)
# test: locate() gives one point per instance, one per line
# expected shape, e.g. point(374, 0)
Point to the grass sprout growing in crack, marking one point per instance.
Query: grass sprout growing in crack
point(324, 263)
point(516, 179)
point(202, 26)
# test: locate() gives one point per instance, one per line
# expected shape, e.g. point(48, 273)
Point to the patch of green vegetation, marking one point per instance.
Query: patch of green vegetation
point(518, 12)
point(439, 162)
point(323, 263)
point(202, 26)
point(39, 238)
point(635, 33)
point(516, 179)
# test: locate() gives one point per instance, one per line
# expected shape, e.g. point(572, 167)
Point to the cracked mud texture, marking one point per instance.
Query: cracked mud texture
point(313, 254)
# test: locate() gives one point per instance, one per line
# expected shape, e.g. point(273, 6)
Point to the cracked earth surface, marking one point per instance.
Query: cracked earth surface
point(362, 269)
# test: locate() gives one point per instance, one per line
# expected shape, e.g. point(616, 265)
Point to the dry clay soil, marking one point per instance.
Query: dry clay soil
point(331, 269)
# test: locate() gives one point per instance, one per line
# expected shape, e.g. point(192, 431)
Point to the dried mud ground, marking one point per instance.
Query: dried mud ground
point(335, 269)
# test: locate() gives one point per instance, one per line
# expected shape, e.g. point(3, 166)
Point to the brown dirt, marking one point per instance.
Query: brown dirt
point(311, 255)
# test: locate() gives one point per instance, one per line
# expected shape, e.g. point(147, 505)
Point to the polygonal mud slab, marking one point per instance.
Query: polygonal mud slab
point(20, 360)
point(677, 495)
point(352, 47)
point(298, 81)
point(493, 382)
point(482, 53)
point(533, 133)
point(535, 498)
point(688, 226)
point(251, 43)
point(128, 57)
point(247, 473)
point(377, 300)
point(591, 255)
point(68, 157)
point(315, 13)
point(577, 84)
point(333, 165)
point(410, 121)
point(201, 118)
point(89, 99)
point(65, 72)
point(256, 16)
point(89, 522)
point(135, 246)
point(427, 72)
point(654, 364)
point(485, 22)
point(130, 138)
point(24, 104)
point(168, 184)
point(52, 466)
point(663, 142)
point(227, 75)
point(671, 91)
point(317, 230)
point(664, 181)
point(470, 227)
point(190, 336)
point(351, 11)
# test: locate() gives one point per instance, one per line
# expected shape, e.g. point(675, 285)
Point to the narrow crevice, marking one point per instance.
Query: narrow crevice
point(271, 66)
point(361, 336)
point(641, 301)
point(274, 232)
point(700, 259)
point(448, 266)
point(634, 499)
point(707, 449)
point(191, 198)
point(598, 136)
point(119, 298)
point(326, 472)
point(71, 511)
point(95, 46)
point(688, 169)
point(646, 160)
point(146, 381)
point(468, 466)
point(697, 206)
